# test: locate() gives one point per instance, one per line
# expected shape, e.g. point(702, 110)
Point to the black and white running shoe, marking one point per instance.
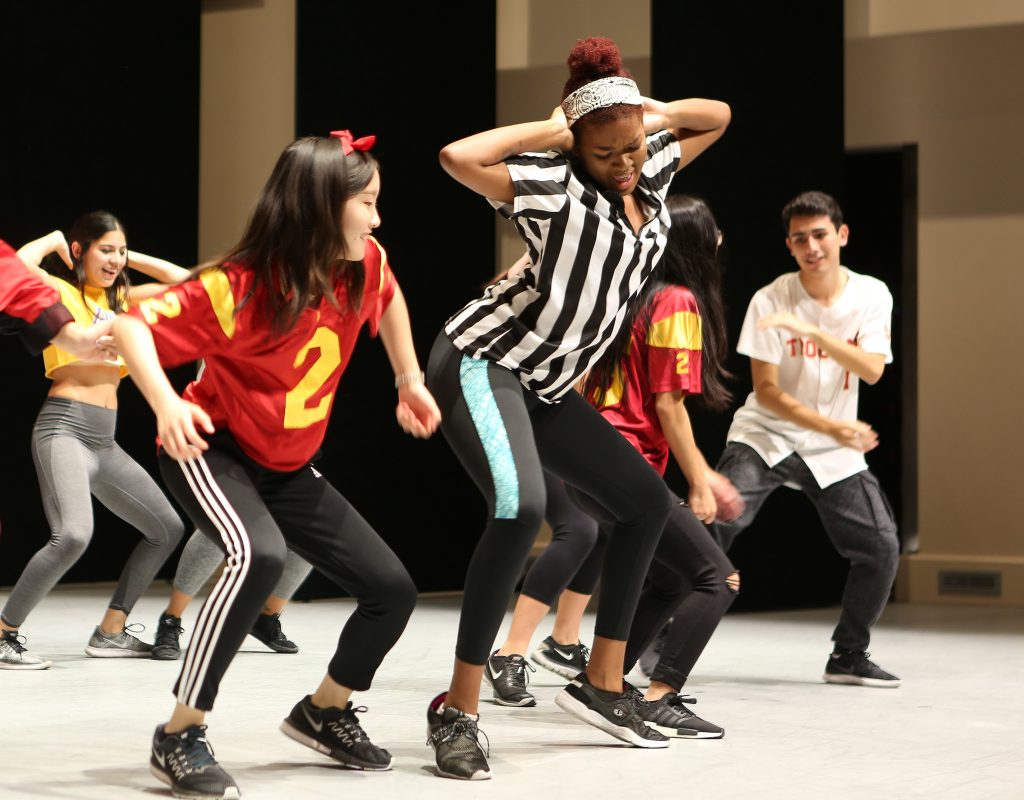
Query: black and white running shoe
point(455, 738)
point(184, 761)
point(567, 660)
point(613, 712)
point(670, 716)
point(335, 732)
point(853, 667)
point(507, 677)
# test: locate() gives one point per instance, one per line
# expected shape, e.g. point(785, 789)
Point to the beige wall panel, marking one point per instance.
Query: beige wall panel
point(555, 25)
point(890, 17)
point(952, 93)
point(247, 109)
point(971, 285)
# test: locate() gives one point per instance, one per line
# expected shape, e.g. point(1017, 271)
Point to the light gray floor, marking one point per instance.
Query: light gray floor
point(954, 730)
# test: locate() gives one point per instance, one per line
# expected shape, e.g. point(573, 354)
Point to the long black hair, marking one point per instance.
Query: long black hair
point(690, 260)
point(294, 237)
point(85, 230)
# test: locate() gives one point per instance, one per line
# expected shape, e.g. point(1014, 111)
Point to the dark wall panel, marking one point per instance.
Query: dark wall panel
point(100, 110)
point(417, 76)
point(780, 67)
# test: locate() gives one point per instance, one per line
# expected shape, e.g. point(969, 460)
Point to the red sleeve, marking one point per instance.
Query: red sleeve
point(674, 342)
point(380, 282)
point(196, 318)
point(27, 304)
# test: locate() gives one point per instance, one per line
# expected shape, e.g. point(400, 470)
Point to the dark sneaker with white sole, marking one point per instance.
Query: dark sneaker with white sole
point(455, 738)
point(507, 677)
point(267, 628)
point(184, 761)
point(670, 716)
point(854, 668)
point(335, 732)
point(118, 645)
point(167, 642)
point(567, 660)
point(613, 712)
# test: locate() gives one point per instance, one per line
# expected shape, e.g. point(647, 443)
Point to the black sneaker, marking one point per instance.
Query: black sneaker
point(567, 660)
point(650, 657)
point(853, 667)
point(335, 732)
point(455, 738)
point(184, 761)
point(507, 677)
point(670, 716)
point(166, 645)
point(267, 628)
point(613, 712)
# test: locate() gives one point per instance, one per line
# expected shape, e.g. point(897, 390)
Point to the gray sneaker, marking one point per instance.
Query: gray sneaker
point(13, 654)
point(120, 645)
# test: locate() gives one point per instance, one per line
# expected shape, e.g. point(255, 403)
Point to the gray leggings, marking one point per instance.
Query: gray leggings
point(201, 557)
point(75, 454)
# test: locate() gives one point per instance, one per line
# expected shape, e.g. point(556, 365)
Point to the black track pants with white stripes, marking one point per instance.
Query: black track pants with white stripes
point(251, 512)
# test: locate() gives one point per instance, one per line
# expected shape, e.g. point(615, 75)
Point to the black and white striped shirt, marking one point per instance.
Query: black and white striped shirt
point(553, 322)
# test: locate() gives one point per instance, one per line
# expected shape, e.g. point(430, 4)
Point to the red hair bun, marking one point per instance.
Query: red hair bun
point(593, 58)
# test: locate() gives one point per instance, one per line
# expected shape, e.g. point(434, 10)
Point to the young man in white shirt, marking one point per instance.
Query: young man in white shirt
point(812, 337)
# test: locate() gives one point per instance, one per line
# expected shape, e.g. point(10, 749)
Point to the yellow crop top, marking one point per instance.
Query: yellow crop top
point(87, 311)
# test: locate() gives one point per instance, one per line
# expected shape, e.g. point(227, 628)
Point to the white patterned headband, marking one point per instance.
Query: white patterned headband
point(601, 93)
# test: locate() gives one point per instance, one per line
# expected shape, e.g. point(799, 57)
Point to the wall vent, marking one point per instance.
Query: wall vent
point(978, 584)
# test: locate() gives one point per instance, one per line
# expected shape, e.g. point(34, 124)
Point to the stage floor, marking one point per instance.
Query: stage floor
point(953, 730)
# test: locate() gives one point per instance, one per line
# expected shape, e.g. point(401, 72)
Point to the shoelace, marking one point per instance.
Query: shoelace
point(584, 653)
point(679, 701)
point(195, 750)
point(169, 633)
point(15, 641)
point(349, 722)
point(517, 672)
point(275, 628)
point(462, 725)
point(134, 629)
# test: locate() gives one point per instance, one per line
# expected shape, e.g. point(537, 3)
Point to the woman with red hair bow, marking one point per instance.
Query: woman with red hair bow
point(276, 320)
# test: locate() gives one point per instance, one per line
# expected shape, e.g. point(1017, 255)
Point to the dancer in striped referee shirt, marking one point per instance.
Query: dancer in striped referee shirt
point(585, 189)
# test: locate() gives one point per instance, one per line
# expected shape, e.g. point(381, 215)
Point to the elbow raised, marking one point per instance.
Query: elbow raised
point(451, 158)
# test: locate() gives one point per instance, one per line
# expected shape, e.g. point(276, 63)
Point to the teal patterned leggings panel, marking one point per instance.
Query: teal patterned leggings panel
point(483, 409)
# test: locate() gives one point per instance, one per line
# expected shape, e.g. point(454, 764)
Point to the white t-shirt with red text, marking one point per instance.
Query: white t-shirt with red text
point(863, 316)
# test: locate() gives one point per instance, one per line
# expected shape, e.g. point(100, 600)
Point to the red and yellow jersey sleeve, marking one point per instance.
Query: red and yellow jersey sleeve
point(674, 342)
point(380, 282)
point(27, 304)
point(196, 318)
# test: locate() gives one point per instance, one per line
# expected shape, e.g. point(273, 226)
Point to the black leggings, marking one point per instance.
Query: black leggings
point(505, 436)
point(687, 578)
point(255, 515)
point(573, 559)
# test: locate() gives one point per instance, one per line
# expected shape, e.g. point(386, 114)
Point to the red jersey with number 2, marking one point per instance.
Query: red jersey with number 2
point(664, 356)
point(272, 392)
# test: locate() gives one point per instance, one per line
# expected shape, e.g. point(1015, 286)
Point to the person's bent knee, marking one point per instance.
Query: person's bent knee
point(70, 542)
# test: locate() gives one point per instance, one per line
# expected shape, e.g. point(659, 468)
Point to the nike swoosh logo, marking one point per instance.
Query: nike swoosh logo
point(317, 726)
point(495, 675)
point(567, 656)
point(160, 757)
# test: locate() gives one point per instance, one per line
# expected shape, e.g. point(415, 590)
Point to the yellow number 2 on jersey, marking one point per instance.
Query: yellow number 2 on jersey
point(296, 414)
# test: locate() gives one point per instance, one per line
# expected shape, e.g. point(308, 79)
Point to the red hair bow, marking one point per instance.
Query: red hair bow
point(348, 144)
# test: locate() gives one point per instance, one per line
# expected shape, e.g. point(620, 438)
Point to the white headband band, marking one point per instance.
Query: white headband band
point(601, 93)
